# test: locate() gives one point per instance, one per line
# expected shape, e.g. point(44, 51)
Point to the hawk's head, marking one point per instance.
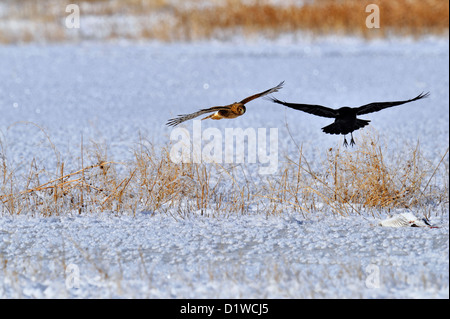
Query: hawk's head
point(239, 108)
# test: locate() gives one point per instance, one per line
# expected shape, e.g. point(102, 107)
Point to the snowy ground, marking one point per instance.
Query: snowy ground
point(112, 93)
point(236, 257)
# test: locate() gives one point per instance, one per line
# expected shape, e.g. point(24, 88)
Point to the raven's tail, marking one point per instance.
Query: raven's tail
point(360, 123)
point(340, 128)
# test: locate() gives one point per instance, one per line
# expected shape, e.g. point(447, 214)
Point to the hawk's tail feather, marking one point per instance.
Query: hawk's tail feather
point(208, 117)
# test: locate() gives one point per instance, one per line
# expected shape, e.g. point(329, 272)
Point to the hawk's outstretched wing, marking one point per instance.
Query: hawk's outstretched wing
point(255, 96)
point(184, 117)
point(318, 110)
point(377, 106)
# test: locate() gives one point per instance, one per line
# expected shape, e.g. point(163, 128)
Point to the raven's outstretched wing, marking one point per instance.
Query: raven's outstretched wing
point(377, 106)
point(184, 117)
point(318, 110)
point(255, 96)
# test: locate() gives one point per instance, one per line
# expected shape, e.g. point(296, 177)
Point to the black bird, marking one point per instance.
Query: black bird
point(345, 118)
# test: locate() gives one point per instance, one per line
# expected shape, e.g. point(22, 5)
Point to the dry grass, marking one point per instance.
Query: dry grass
point(150, 182)
point(29, 20)
point(347, 182)
point(350, 181)
point(401, 17)
point(367, 178)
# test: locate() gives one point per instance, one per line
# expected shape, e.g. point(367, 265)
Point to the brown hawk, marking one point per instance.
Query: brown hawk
point(223, 112)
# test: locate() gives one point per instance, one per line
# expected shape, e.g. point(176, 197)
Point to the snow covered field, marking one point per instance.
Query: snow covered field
point(113, 93)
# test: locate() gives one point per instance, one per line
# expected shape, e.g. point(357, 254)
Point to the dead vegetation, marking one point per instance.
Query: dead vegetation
point(348, 182)
point(165, 20)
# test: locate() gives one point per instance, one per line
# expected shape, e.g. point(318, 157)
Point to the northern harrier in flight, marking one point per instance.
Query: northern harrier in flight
point(345, 118)
point(223, 112)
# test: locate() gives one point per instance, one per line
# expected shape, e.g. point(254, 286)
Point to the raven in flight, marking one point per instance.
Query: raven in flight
point(345, 118)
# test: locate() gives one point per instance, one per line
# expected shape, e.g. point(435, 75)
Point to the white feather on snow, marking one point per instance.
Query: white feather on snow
point(405, 220)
